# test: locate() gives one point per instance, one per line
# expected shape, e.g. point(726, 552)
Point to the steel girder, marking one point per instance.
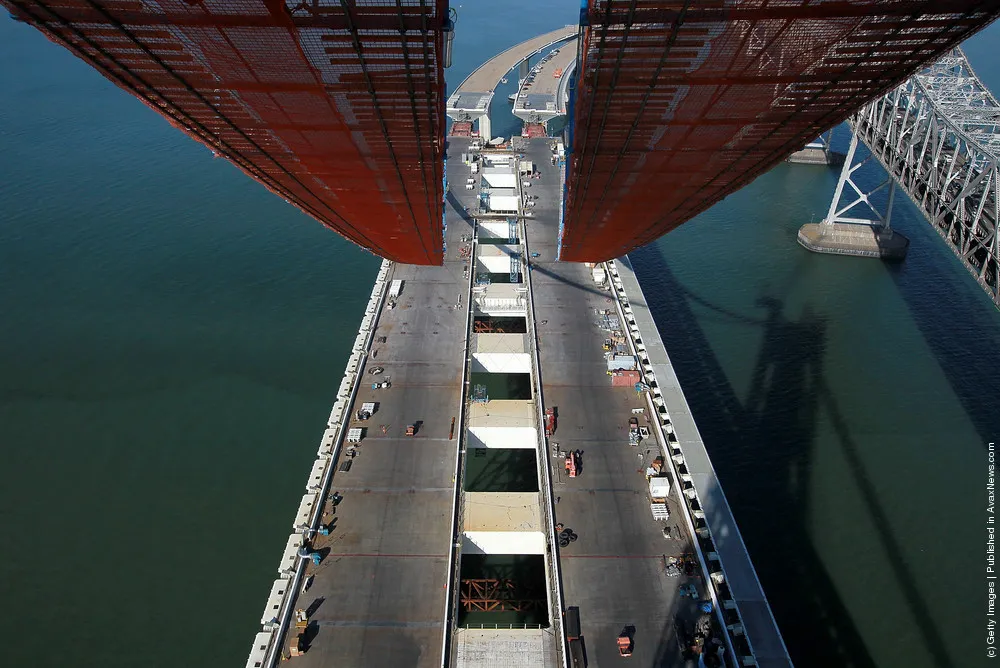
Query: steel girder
point(938, 135)
point(335, 105)
point(682, 102)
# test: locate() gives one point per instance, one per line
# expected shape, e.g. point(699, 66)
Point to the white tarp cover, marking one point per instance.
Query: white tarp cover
point(502, 511)
point(515, 438)
point(495, 228)
point(503, 542)
point(496, 179)
point(494, 264)
point(502, 203)
point(501, 363)
point(503, 424)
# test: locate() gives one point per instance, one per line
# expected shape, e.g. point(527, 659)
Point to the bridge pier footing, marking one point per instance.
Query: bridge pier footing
point(854, 239)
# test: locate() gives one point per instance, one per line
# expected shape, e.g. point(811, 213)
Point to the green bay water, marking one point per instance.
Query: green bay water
point(173, 336)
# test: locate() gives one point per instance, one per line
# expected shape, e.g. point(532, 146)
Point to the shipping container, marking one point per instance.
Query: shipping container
point(624, 378)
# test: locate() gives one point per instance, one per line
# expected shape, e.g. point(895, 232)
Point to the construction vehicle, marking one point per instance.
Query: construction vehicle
point(550, 421)
point(573, 463)
point(411, 429)
point(624, 644)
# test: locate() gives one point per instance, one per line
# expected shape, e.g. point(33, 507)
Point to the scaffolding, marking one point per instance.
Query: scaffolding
point(336, 107)
point(680, 103)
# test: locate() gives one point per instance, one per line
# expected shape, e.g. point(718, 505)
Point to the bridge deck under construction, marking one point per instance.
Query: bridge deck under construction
point(615, 571)
point(378, 597)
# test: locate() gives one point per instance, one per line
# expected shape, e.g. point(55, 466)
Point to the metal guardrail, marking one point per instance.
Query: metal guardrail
point(673, 452)
point(352, 373)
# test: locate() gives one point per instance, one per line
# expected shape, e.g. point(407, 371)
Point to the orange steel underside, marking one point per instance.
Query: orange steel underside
point(679, 104)
point(336, 107)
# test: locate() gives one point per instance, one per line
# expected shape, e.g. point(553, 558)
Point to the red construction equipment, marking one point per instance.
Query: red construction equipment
point(411, 429)
point(550, 421)
point(624, 644)
point(573, 463)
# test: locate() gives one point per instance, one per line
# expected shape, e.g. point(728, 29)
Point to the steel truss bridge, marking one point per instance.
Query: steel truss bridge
point(938, 136)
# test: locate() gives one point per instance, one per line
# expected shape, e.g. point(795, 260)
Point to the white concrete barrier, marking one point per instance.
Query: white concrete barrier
point(304, 512)
point(272, 609)
point(258, 650)
point(315, 481)
point(290, 557)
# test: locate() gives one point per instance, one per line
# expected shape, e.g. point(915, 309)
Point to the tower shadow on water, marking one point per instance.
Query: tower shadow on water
point(762, 452)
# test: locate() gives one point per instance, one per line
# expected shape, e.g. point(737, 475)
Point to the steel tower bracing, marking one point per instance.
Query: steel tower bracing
point(938, 135)
point(680, 103)
point(335, 105)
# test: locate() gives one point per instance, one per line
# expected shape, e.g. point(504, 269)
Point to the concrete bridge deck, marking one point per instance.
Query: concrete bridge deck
point(471, 100)
point(378, 598)
point(544, 93)
point(485, 78)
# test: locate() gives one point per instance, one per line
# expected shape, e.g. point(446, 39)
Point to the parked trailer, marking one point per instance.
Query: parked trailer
point(395, 288)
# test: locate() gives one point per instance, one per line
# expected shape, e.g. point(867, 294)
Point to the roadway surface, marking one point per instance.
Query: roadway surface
point(761, 628)
point(535, 95)
point(486, 77)
point(378, 598)
point(614, 572)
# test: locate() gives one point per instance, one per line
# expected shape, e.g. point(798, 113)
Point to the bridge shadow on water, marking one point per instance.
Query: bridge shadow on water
point(959, 326)
point(763, 453)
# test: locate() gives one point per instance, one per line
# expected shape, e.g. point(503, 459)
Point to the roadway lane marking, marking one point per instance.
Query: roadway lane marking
point(378, 555)
point(394, 490)
point(379, 624)
point(611, 556)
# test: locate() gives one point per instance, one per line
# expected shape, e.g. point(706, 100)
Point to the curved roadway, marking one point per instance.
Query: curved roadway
point(488, 75)
point(547, 84)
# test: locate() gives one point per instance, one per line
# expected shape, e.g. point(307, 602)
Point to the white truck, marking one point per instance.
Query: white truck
point(395, 288)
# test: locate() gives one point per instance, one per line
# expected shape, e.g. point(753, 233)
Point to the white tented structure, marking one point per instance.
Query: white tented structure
point(501, 353)
point(502, 523)
point(502, 200)
point(496, 259)
point(503, 424)
point(499, 177)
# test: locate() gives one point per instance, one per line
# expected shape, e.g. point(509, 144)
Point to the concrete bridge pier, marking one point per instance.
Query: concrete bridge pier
point(841, 234)
point(484, 128)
